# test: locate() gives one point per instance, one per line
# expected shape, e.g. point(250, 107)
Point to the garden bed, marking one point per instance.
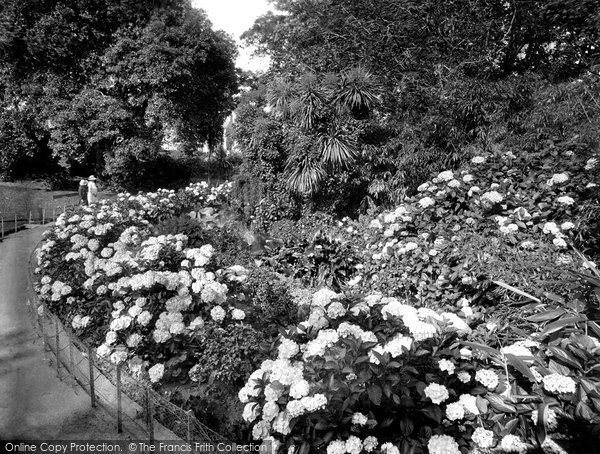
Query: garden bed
point(462, 319)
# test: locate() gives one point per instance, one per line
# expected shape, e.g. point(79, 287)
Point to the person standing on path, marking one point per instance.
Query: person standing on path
point(83, 191)
point(92, 190)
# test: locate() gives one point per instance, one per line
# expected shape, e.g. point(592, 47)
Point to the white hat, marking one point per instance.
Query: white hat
point(92, 178)
point(83, 183)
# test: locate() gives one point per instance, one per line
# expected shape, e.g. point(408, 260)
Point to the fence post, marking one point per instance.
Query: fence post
point(91, 368)
point(189, 434)
point(43, 328)
point(29, 217)
point(43, 216)
point(56, 336)
point(119, 409)
point(53, 214)
point(2, 221)
point(15, 223)
point(72, 363)
point(149, 417)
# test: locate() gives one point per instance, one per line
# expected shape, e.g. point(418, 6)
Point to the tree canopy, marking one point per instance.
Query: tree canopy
point(95, 85)
point(444, 77)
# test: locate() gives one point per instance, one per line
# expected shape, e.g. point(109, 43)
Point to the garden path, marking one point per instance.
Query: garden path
point(34, 402)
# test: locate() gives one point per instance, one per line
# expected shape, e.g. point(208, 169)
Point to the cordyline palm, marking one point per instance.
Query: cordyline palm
point(357, 91)
point(313, 107)
point(336, 149)
point(309, 102)
point(305, 176)
point(280, 96)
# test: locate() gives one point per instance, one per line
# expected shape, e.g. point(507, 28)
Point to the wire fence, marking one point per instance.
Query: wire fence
point(137, 408)
point(12, 222)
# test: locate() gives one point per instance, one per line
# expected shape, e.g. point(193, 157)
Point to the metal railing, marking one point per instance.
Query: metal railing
point(142, 411)
point(11, 222)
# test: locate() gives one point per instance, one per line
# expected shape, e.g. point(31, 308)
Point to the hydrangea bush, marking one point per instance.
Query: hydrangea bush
point(140, 299)
point(377, 374)
point(505, 217)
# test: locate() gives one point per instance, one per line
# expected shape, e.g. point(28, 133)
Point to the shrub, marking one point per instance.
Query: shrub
point(182, 224)
point(270, 296)
point(229, 356)
point(375, 373)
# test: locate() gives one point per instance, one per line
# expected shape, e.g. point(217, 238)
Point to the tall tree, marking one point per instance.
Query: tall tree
point(102, 80)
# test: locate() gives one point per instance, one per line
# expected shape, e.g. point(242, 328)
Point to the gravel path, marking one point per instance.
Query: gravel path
point(34, 402)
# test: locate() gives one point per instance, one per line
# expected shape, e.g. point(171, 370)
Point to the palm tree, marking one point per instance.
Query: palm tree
point(323, 110)
point(305, 176)
point(357, 91)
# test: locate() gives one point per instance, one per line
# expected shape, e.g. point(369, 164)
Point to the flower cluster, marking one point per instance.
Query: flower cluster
point(156, 289)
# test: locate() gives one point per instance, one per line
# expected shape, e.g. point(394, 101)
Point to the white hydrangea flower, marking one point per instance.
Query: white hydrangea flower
point(455, 411)
point(370, 443)
point(217, 313)
point(559, 384)
point(261, 430)
point(446, 365)
point(550, 228)
point(359, 419)
point(478, 160)
point(336, 447)
point(492, 196)
point(250, 412)
point(299, 389)
point(314, 403)
point(442, 444)
point(144, 318)
point(426, 202)
point(270, 411)
point(469, 402)
point(110, 338)
point(287, 348)
point(464, 377)
point(295, 408)
point(559, 242)
point(487, 378)
point(437, 393)
point(238, 314)
point(336, 310)
point(512, 443)
point(323, 297)
point(156, 372)
point(103, 351)
point(566, 200)
point(134, 340)
point(591, 164)
point(483, 438)
point(197, 323)
point(353, 445)
point(517, 350)
point(272, 394)
point(389, 448)
point(446, 175)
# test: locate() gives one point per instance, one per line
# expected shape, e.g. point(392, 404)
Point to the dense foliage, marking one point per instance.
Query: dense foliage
point(96, 86)
point(443, 78)
point(456, 311)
